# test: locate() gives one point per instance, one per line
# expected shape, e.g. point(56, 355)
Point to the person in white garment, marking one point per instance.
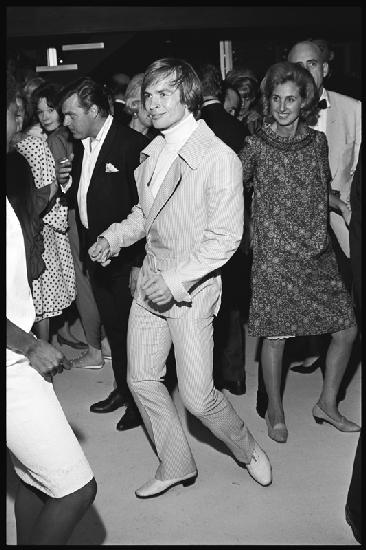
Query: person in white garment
point(340, 120)
point(191, 212)
point(56, 484)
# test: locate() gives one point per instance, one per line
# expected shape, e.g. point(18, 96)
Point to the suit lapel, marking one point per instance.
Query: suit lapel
point(333, 135)
point(167, 188)
point(107, 144)
point(143, 176)
point(144, 172)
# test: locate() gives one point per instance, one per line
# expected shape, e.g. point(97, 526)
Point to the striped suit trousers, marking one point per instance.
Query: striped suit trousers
point(149, 340)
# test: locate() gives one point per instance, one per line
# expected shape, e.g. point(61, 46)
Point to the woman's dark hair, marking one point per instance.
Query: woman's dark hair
point(51, 93)
point(285, 71)
point(89, 93)
point(185, 79)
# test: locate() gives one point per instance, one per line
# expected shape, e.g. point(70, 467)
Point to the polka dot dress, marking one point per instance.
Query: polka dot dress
point(55, 289)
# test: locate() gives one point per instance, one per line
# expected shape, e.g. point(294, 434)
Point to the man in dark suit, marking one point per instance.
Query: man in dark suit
point(229, 337)
point(225, 126)
point(117, 87)
point(103, 190)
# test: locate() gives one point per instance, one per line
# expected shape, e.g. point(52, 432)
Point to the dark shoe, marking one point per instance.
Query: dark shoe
point(76, 345)
point(237, 387)
point(131, 419)
point(302, 369)
point(114, 401)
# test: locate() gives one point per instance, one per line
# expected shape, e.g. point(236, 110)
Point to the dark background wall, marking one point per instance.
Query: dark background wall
point(135, 36)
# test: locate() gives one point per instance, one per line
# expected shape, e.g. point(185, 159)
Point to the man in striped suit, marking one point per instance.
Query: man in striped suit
point(191, 212)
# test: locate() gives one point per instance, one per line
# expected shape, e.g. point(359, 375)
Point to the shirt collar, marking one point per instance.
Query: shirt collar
point(210, 102)
point(325, 96)
point(101, 134)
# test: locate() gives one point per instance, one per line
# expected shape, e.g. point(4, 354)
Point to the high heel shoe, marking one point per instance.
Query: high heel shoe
point(278, 432)
point(343, 425)
point(76, 345)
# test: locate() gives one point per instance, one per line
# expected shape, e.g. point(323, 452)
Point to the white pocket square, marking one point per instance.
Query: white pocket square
point(110, 168)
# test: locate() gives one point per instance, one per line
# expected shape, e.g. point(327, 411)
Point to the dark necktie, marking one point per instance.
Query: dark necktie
point(322, 104)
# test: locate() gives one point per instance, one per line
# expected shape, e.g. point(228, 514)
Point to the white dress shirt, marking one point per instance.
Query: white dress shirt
point(91, 152)
point(175, 138)
point(19, 303)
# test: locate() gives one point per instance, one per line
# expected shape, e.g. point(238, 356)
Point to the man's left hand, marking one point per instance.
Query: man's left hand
point(157, 290)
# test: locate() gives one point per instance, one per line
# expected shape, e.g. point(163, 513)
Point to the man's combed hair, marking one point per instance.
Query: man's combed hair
point(211, 80)
point(89, 93)
point(285, 71)
point(184, 76)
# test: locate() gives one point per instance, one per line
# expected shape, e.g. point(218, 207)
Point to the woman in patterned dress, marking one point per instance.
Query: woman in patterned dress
point(54, 290)
point(296, 288)
point(44, 104)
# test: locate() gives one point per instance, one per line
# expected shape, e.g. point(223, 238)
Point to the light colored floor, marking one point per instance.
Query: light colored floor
point(303, 506)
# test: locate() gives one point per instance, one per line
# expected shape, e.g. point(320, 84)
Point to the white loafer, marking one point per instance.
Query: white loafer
point(156, 487)
point(260, 467)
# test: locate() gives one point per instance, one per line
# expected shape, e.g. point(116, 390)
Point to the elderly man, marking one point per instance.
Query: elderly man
point(340, 120)
point(191, 212)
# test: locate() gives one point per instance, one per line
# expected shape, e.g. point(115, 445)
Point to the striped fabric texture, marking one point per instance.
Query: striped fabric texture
point(192, 228)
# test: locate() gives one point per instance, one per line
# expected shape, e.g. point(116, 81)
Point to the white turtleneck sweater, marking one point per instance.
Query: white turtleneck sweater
point(175, 138)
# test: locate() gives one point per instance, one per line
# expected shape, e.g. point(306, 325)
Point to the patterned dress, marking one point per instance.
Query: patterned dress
point(295, 285)
point(55, 289)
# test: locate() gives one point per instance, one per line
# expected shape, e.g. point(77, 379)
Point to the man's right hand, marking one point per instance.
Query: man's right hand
point(46, 359)
point(63, 169)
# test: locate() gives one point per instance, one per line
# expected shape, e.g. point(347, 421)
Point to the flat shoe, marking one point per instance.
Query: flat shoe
point(156, 487)
point(76, 345)
point(343, 425)
point(83, 362)
point(260, 467)
point(278, 432)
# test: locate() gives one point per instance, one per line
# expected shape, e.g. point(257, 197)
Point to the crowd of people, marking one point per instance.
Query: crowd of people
point(167, 210)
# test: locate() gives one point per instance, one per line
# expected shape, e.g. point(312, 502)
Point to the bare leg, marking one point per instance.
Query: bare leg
point(336, 362)
point(65, 331)
point(271, 359)
point(42, 329)
point(56, 519)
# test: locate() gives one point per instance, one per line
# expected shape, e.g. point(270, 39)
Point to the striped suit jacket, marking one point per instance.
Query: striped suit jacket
point(192, 227)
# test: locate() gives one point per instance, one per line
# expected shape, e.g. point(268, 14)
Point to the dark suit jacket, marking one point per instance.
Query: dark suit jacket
point(225, 126)
point(120, 113)
point(111, 195)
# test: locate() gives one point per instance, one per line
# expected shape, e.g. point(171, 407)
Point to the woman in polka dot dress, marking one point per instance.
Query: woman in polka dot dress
point(55, 289)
